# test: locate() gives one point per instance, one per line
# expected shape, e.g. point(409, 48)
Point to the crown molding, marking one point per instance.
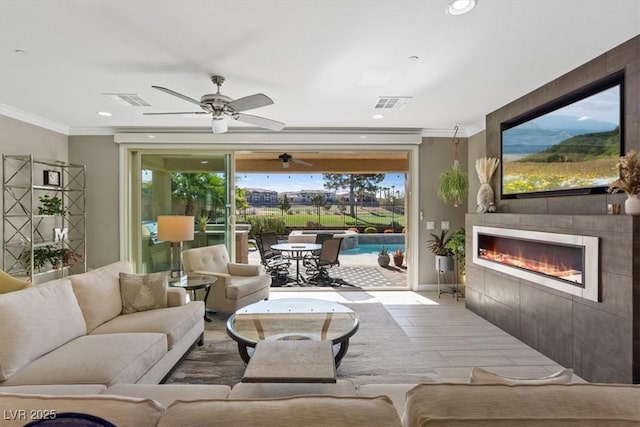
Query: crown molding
point(24, 116)
point(476, 127)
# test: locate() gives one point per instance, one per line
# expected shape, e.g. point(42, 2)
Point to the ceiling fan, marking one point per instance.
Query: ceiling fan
point(287, 158)
point(219, 106)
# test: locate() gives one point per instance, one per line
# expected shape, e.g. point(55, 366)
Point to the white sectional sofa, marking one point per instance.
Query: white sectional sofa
point(340, 405)
point(71, 331)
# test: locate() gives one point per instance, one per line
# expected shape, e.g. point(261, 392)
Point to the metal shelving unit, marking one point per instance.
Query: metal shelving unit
point(27, 234)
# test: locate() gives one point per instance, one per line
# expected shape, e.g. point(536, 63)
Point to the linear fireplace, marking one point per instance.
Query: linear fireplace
point(565, 262)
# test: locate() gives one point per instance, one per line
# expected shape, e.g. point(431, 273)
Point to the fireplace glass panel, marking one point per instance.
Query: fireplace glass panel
point(560, 261)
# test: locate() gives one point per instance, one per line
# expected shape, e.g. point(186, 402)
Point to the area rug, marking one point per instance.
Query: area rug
point(379, 352)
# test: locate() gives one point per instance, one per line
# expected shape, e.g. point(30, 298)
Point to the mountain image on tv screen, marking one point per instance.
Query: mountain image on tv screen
point(573, 147)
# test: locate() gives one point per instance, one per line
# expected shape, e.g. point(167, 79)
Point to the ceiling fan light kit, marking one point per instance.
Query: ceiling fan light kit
point(219, 106)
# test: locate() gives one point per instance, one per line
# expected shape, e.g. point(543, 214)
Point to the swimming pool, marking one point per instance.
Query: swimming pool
point(372, 248)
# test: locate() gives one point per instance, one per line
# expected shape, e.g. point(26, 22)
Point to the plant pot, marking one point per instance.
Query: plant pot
point(632, 205)
point(398, 260)
point(444, 263)
point(383, 260)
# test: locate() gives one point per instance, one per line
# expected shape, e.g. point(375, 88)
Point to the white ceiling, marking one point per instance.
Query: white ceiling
point(308, 56)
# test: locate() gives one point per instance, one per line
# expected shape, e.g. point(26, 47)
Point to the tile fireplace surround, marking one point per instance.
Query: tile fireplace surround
point(599, 340)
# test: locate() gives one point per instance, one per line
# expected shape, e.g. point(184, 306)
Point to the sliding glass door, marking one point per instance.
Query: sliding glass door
point(171, 183)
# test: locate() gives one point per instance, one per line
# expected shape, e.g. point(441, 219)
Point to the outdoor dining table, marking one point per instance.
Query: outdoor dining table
point(296, 251)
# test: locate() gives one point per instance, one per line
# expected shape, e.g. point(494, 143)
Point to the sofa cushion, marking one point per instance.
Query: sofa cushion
point(98, 292)
point(308, 411)
point(20, 409)
point(396, 392)
point(271, 390)
point(95, 359)
point(174, 322)
point(56, 389)
point(522, 405)
point(242, 286)
point(482, 376)
point(142, 292)
point(35, 321)
point(166, 394)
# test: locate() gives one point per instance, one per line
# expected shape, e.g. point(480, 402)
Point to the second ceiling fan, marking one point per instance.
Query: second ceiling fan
point(221, 106)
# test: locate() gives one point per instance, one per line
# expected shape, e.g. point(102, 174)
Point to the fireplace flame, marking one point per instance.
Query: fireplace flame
point(542, 266)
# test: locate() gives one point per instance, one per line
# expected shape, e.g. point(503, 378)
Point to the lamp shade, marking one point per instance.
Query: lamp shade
point(175, 228)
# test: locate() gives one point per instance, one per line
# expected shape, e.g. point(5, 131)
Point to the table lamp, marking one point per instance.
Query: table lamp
point(176, 229)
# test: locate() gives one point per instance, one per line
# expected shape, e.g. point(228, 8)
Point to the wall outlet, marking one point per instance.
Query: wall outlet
point(444, 225)
point(431, 225)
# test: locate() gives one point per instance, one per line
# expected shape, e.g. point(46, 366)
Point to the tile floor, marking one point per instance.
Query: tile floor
point(453, 338)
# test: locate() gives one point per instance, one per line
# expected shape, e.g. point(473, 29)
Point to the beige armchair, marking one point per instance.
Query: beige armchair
point(237, 285)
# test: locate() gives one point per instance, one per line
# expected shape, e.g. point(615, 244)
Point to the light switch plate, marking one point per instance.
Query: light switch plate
point(431, 225)
point(444, 225)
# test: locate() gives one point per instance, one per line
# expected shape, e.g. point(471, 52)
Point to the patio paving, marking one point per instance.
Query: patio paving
point(361, 270)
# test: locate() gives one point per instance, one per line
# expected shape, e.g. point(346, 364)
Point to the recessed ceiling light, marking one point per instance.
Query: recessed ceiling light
point(104, 114)
point(460, 7)
point(377, 117)
point(414, 58)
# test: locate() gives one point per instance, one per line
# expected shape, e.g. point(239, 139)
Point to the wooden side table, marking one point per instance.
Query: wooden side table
point(194, 283)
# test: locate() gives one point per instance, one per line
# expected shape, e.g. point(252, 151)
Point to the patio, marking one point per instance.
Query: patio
point(360, 270)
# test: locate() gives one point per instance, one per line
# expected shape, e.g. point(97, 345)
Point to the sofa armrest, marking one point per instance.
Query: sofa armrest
point(222, 277)
point(176, 297)
point(236, 269)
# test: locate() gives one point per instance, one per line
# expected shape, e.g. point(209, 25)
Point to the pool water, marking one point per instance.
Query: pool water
point(372, 248)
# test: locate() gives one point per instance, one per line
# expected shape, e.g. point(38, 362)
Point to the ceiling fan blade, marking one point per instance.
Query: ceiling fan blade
point(301, 162)
point(179, 95)
point(250, 102)
point(263, 122)
point(184, 113)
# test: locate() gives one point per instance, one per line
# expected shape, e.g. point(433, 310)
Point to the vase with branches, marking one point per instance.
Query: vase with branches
point(485, 168)
point(629, 181)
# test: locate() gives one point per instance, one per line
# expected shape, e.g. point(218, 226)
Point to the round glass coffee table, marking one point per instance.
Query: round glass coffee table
point(293, 319)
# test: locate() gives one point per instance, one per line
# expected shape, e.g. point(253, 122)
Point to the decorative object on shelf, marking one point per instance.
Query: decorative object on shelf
point(629, 181)
point(485, 167)
point(383, 257)
point(453, 182)
point(202, 222)
point(176, 229)
point(50, 206)
point(438, 245)
point(398, 257)
point(49, 257)
point(51, 177)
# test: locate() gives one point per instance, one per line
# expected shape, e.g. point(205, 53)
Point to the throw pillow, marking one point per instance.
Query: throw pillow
point(482, 376)
point(142, 292)
point(9, 283)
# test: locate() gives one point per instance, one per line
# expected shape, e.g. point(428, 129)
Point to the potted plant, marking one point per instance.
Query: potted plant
point(398, 257)
point(444, 255)
point(383, 257)
point(50, 206)
point(202, 222)
point(629, 181)
point(457, 245)
point(453, 183)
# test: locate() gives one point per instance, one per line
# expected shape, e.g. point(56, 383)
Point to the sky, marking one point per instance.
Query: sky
point(293, 182)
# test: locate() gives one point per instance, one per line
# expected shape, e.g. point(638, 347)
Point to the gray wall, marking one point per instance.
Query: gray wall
point(20, 138)
point(436, 154)
point(477, 149)
point(601, 341)
point(100, 155)
point(624, 57)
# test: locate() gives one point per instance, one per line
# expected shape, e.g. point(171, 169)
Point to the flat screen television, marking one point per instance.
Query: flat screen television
point(570, 146)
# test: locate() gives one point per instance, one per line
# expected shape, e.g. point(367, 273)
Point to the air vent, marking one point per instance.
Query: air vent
point(130, 99)
point(392, 102)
